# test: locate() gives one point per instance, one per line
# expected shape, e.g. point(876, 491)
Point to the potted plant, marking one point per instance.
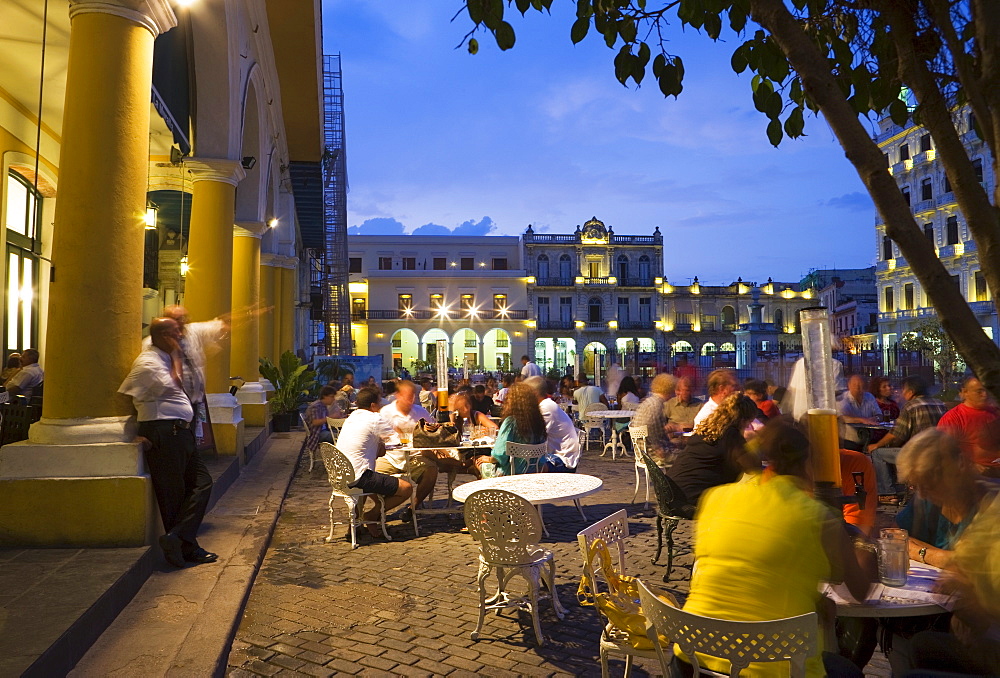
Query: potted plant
point(292, 381)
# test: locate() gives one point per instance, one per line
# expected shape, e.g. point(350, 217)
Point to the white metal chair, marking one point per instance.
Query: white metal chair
point(593, 423)
point(305, 425)
point(508, 530)
point(534, 452)
point(638, 435)
point(335, 426)
point(614, 531)
point(740, 643)
point(341, 474)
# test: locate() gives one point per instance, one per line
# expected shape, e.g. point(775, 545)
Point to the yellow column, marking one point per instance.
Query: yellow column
point(208, 288)
point(289, 302)
point(101, 497)
point(244, 361)
point(267, 301)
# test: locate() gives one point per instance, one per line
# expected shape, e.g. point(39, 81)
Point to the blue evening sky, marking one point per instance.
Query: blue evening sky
point(440, 141)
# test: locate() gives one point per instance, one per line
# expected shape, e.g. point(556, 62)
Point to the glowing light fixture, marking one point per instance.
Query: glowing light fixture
point(150, 217)
point(579, 324)
point(578, 280)
point(273, 222)
point(613, 324)
point(530, 280)
point(184, 266)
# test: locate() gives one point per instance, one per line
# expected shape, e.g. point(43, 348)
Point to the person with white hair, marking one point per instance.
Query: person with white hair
point(561, 435)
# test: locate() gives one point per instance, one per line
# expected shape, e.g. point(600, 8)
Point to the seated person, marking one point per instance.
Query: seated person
point(480, 401)
point(361, 440)
point(652, 414)
point(560, 432)
point(462, 413)
point(683, 407)
point(522, 423)
point(403, 415)
point(862, 518)
point(763, 547)
point(756, 390)
point(315, 416)
point(712, 455)
point(29, 377)
point(587, 395)
point(972, 422)
point(12, 368)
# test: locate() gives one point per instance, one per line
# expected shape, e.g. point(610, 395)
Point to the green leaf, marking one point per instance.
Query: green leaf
point(638, 69)
point(623, 65)
point(772, 105)
point(898, 112)
point(493, 14)
point(523, 6)
point(658, 63)
point(579, 30)
point(477, 8)
point(473, 46)
point(584, 9)
point(610, 33)
point(774, 132)
point(643, 55)
point(713, 25)
point(794, 124)
point(505, 35)
point(739, 59)
point(626, 29)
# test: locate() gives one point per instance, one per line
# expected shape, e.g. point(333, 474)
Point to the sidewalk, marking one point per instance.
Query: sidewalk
point(181, 621)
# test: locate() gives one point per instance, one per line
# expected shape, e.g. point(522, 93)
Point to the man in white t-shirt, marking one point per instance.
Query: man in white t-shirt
point(403, 415)
point(721, 383)
point(529, 369)
point(561, 434)
point(360, 439)
point(587, 395)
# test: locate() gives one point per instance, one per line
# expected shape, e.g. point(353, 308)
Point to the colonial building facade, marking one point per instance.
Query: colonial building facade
point(921, 177)
point(591, 297)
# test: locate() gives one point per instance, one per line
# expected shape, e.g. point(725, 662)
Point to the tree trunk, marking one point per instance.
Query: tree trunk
point(810, 64)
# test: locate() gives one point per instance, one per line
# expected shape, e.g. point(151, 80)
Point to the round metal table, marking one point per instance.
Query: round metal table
point(915, 599)
point(615, 443)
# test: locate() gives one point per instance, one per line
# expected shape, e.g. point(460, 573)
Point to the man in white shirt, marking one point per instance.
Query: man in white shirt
point(529, 369)
point(721, 383)
point(403, 415)
point(561, 434)
point(364, 432)
point(29, 377)
point(587, 395)
point(161, 383)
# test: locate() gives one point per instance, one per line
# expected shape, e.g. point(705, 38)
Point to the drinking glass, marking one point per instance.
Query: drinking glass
point(405, 436)
point(893, 561)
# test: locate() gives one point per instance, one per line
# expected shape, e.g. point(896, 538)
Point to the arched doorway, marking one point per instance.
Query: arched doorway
point(594, 353)
point(496, 350)
point(404, 349)
point(465, 349)
point(430, 340)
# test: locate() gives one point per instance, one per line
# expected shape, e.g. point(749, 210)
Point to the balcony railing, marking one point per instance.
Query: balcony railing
point(683, 327)
point(707, 327)
point(982, 307)
point(602, 282)
point(416, 314)
point(635, 282)
point(554, 282)
point(596, 325)
point(555, 324)
point(471, 343)
point(359, 316)
point(635, 324)
point(729, 327)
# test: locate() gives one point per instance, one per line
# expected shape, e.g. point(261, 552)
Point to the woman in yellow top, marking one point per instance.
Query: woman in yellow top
point(763, 546)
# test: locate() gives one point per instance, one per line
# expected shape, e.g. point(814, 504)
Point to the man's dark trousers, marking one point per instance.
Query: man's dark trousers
point(180, 480)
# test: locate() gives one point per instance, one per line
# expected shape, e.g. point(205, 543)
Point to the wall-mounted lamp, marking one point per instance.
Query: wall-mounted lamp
point(248, 162)
point(150, 218)
point(273, 222)
point(184, 266)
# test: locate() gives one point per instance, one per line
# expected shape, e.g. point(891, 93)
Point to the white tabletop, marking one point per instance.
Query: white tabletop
point(611, 414)
point(914, 599)
point(537, 488)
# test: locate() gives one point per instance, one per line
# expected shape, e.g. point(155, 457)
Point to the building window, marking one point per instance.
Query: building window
point(409, 263)
point(594, 311)
point(929, 233)
point(886, 248)
point(543, 309)
point(728, 317)
point(499, 263)
point(623, 309)
point(889, 301)
point(644, 270)
point(904, 152)
point(440, 263)
point(957, 280)
point(926, 189)
point(354, 265)
point(468, 263)
point(358, 308)
point(543, 267)
point(925, 143)
point(906, 194)
point(565, 267)
point(947, 184)
point(977, 167)
point(468, 302)
point(566, 309)
point(385, 263)
point(982, 291)
point(437, 301)
point(405, 303)
point(972, 123)
point(908, 297)
point(951, 226)
point(500, 303)
point(594, 269)
point(22, 220)
point(779, 319)
point(645, 310)
point(622, 268)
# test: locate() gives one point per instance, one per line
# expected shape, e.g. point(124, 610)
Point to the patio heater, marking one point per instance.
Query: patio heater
point(442, 379)
point(821, 416)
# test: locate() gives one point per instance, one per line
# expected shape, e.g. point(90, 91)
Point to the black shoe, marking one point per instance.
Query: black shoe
point(200, 556)
point(171, 545)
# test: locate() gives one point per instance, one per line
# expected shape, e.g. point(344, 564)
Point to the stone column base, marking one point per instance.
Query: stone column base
point(252, 397)
point(91, 495)
point(227, 423)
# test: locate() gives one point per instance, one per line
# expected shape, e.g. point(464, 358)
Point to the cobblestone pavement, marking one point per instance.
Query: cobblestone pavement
point(407, 607)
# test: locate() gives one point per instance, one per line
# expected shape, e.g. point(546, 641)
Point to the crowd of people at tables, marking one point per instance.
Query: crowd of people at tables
point(742, 470)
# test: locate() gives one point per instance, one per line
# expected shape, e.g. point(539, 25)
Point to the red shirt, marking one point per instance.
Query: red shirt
point(967, 424)
point(769, 408)
point(853, 514)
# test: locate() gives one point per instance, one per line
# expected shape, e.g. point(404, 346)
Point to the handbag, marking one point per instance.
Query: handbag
point(429, 434)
